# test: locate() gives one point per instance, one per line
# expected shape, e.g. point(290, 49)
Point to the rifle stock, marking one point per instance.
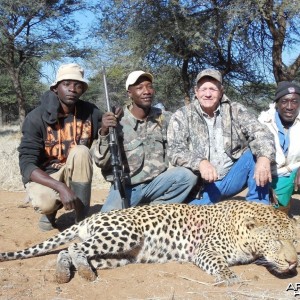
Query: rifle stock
point(116, 158)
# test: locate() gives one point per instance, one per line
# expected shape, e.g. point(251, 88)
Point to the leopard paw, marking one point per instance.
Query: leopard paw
point(227, 279)
point(63, 267)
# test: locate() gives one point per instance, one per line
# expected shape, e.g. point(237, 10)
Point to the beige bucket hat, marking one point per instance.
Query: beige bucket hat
point(70, 72)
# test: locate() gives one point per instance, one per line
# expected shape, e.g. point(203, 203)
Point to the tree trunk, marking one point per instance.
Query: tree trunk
point(14, 74)
point(277, 25)
point(186, 82)
point(1, 116)
point(22, 112)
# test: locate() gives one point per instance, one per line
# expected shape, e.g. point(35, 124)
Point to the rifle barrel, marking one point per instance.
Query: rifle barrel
point(116, 159)
point(106, 90)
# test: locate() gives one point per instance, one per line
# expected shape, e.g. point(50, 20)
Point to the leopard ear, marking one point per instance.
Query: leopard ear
point(296, 223)
point(250, 222)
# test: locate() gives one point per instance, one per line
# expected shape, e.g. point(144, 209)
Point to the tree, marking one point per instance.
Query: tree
point(240, 38)
point(32, 88)
point(31, 30)
point(115, 77)
point(282, 31)
point(188, 35)
point(271, 28)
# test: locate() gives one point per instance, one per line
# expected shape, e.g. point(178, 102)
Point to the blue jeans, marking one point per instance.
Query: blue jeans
point(239, 177)
point(171, 186)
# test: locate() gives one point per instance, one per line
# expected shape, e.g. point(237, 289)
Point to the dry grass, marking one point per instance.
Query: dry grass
point(10, 178)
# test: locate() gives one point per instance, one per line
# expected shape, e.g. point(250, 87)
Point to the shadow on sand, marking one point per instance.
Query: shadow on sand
point(67, 219)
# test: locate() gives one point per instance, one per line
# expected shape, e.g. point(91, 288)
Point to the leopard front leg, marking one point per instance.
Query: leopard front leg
point(215, 264)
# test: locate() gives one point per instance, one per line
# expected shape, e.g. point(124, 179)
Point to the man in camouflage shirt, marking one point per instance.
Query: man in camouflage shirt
point(222, 142)
point(142, 138)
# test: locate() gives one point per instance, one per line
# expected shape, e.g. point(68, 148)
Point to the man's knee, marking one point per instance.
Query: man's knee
point(80, 152)
point(186, 175)
point(113, 201)
point(79, 165)
point(43, 199)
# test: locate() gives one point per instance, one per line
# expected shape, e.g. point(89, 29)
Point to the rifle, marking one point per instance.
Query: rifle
point(116, 159)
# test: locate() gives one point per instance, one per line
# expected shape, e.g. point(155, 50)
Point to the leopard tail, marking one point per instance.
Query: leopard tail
point(52, 243)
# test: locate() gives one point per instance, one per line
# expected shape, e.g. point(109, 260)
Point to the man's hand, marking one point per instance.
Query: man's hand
point(207, 171)
point(67, 197)
point(110, 119)
point(297, 181)
point(262, 173)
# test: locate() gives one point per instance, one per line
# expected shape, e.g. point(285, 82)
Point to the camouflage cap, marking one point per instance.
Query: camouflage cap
point(209, 73)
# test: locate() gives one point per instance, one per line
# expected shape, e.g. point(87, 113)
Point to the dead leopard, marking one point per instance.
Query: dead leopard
point(212, 237)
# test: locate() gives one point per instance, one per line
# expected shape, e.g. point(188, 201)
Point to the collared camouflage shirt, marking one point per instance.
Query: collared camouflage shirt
point(142, 144)
point(188, 134)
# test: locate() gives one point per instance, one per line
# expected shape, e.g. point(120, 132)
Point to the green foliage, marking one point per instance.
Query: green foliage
point(31, 30)
point(115, 77)
point(172, 39)
point(7, 95)
point(256, 97)
point(180, 37)
point(168, 87)
point(31, 86)
point(184, 37)
point(36, 29)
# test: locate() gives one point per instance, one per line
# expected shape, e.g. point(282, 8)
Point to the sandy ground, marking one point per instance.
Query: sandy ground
point(34, 278)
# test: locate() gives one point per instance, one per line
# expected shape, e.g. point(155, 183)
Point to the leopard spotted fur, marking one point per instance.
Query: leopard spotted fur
point(212, 237)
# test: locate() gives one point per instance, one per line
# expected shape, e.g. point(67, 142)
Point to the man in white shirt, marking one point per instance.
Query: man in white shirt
point(283, 120)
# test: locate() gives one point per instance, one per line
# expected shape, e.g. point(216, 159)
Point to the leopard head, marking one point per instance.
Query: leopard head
point(274, 235)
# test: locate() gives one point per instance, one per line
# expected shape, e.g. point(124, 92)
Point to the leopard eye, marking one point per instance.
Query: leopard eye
point(295, 242)
point(277, 242)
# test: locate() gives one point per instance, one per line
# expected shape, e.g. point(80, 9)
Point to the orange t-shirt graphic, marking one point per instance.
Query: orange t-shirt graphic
point(63, 136)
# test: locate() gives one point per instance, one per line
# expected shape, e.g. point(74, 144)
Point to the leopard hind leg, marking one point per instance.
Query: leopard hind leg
point(80, 262)
point(63, 267)
point(118, 257)
point(95, 253)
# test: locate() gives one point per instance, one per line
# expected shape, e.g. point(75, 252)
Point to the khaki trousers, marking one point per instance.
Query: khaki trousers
point(78, 168)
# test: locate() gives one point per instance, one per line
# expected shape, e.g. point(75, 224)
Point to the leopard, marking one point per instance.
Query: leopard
point(212, 237)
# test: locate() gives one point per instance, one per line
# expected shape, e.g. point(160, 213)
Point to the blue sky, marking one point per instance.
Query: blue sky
point(85, 19)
